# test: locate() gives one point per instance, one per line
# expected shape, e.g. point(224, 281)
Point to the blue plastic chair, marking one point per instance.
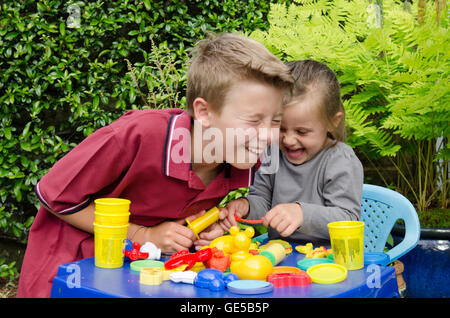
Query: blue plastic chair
point(380, 209)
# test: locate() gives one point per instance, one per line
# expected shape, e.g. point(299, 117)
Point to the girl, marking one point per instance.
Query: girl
point(319, 178)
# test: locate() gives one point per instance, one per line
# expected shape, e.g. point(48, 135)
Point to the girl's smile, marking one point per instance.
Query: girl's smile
point(303, 132)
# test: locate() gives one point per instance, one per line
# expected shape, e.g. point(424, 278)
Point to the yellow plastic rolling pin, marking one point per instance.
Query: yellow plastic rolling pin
point(202, 222)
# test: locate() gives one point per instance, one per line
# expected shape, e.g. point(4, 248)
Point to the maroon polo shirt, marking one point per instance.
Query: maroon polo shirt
point(144, 156)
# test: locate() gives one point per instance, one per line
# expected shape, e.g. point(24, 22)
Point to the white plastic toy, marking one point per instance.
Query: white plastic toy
point(152, 250)
point(186, 277)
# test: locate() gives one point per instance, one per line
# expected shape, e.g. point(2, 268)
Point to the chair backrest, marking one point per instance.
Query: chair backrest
point(380, 209)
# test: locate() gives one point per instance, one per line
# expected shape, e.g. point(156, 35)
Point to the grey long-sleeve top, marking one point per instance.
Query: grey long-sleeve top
point(328, 187)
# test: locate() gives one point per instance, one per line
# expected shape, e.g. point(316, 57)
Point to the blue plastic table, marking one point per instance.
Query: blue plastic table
point(81, 279)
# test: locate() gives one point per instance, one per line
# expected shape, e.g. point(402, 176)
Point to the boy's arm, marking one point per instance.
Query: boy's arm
point(84, 220)
point(169, 236)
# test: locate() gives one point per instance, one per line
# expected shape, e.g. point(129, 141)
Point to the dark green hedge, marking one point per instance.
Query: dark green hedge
point(63, 76)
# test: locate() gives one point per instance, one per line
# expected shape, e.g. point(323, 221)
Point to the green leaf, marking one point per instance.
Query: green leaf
point(96, 101)
point(11, 36)
point(62, 28)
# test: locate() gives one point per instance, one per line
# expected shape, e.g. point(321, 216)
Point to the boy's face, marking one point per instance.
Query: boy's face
point(250, 118)
point(303, 132)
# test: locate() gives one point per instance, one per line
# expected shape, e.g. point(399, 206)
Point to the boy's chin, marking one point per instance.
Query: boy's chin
point(243, 166)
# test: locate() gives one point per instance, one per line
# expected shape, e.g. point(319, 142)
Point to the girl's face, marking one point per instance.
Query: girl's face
point(303, 132)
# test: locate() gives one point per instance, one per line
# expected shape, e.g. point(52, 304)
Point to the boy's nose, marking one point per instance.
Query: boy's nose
point(266, 132)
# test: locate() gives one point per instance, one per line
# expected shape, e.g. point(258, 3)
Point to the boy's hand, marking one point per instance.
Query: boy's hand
point(285, 218)
point(238, 207)
point(172, 236)
point(209, 234)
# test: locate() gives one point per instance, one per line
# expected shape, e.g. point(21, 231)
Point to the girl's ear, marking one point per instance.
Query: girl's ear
point(337, 119)
point(202, 111)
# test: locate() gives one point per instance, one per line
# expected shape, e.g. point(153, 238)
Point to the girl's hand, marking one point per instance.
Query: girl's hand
point(285, 218)
point(238, 207)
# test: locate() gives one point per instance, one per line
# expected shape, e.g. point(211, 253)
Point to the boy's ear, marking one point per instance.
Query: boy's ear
point(201, 111)
point(337, 119)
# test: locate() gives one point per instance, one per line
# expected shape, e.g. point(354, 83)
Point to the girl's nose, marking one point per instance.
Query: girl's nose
point(288, 139)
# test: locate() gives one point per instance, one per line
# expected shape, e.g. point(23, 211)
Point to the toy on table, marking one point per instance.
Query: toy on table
point(306, 263)
point(202, 222)
point(213, 279)
point(311, 252)
point(243, 263)
point(153, 251)
point(249, 287)
point(289, 279)
point(134, 251)
point(138, 265)
point(285, 269)
point(275, 253)
point(327, 273)
point(186, 277)
point(154, 276)
point(287, 246)
point(239, 219)
point(189, 259)
point(218, 260)
point(256, 267)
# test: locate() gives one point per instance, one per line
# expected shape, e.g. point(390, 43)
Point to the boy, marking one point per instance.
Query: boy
point(158, 160)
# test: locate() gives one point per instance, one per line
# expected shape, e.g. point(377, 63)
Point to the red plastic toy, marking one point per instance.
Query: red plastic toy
point(239, 219)
point(134, 253)
point(189, 259)
point(218, 260)
point(289, 279)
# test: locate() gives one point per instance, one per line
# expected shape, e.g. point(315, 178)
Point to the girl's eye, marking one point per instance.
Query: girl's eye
point(301, 132)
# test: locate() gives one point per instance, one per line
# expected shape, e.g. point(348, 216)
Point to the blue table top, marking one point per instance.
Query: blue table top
point(82, 279)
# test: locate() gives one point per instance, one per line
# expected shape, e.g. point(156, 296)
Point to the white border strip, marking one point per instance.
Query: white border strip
point(169, 148)
point(62, 211)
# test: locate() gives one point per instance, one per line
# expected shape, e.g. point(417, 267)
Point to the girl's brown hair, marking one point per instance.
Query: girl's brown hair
point(314, 77)
point(219, 61)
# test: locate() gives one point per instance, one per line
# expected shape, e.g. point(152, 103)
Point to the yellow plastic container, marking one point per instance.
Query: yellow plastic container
point(109, 244)
point(112, 205)
point(347, 242)
point(202, 222)
point(111, 219)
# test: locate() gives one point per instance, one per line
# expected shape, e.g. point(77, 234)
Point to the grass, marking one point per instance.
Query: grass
point(435, 218)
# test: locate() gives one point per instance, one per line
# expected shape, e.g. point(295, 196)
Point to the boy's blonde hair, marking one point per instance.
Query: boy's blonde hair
point(312, 77)
point(219, 61)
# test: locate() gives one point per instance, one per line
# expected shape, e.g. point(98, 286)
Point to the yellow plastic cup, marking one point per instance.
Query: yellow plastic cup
point(112, 211)
point(202, 222)
point(109, 244)
point(112, 205)
point(347, 242)
point(111, 219)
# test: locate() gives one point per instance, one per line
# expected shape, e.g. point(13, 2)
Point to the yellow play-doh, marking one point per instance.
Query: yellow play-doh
point(256, 267)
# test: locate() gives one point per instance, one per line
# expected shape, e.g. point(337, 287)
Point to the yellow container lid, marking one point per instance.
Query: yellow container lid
point(112, 205)
point(327, 273)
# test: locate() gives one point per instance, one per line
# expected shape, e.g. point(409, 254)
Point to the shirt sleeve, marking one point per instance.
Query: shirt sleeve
point(91, 167)
point(260, 196)
point(342, 192)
